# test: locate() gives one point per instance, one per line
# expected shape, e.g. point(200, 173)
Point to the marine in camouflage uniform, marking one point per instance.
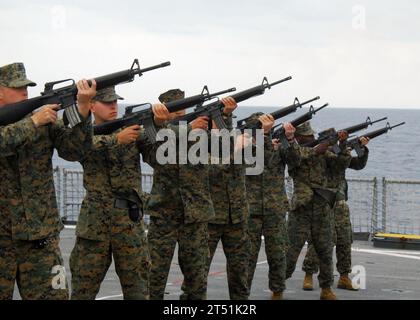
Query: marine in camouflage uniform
point(180, 207)
point(311, 215)
point(268, 205)
point(13, 135)
point(110, 223)
point(29, 220)
point(230, 224)
point(343, 230)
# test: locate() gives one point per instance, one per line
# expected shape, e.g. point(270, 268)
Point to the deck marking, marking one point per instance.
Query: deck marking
point(387, 253)
point(109, 297)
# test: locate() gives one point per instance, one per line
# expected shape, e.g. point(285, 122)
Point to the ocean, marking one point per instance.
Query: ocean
point(394, 155)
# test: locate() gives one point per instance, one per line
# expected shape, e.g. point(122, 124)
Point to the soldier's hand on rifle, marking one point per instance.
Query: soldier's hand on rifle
point(85, 93)
point(321, 148)
point(230, 105)
point(48, 114)
point(342, 135)
point(242, 141)
point(364, 141)
point(289, 130)
point(161, 113)
point(200, 123)
point(276, 144)
point(267, 122)
point(128, 135)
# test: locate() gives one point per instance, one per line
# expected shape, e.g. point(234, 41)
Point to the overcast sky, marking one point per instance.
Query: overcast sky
point(351, 53)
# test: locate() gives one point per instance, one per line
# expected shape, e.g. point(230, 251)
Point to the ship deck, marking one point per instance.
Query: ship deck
point(391, 274)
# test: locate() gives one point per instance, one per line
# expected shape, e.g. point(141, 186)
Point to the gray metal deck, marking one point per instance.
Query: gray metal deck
point(390, 275)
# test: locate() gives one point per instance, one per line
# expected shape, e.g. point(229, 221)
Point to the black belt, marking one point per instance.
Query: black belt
point(41, 243)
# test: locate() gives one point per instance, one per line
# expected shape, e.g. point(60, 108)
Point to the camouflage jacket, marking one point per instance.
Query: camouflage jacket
point(315, 171)
point(266, 192)
point(182, 188)
point(13, 135)
point(110, 171)
point(28, 206)
point(228, 190)
point(356, 163)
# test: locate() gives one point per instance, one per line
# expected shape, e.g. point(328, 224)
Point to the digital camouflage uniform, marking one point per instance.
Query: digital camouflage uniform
point(230, 224)
point(110, 223)
point(29, 219)
point(313, 198)
point(268, 205)
point(343, 230)
point(14, 135)
point(180, 207)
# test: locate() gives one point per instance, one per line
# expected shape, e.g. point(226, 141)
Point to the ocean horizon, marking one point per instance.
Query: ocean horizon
point(393, 155)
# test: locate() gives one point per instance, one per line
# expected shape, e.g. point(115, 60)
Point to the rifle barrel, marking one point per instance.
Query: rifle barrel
point(158, 66)
point(223, 92)
point(280, 81)
point(379, 120)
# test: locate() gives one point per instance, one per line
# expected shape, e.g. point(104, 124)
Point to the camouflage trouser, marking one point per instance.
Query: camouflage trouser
point(90, 261)
point(37, 269)
point(273, 227)
point(343, 240)
point(312, 222)
point(192, 255)
point(235, 241)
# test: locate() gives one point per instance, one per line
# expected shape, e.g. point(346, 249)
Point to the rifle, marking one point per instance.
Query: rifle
point(330, 136)
point(247, 123)
point(355, 142)
point(145, 117)
point(363, 125)
point(67, 96)
point(214, 109)
point(281, 134)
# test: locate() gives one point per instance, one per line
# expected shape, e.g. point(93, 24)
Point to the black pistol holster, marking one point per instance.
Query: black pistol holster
point(327, 195)
point(134, 211)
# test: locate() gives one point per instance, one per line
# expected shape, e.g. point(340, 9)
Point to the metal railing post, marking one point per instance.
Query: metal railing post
point(384, 198)
point(374, 221)
point(65, 216)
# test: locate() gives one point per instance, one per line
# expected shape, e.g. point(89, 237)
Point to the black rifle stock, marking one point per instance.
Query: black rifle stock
point(145, 117)
point(67, 96)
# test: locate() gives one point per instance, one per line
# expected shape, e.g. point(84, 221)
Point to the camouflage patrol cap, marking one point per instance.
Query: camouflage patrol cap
point(107, 95)
point(14, 76)
point(305, 129)
point(255, 116)
point(171, 95)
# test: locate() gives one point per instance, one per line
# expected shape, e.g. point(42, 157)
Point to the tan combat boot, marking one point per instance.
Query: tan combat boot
point(327, 294)
point(277, 296)
point(345, 283)
point(308, 283)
